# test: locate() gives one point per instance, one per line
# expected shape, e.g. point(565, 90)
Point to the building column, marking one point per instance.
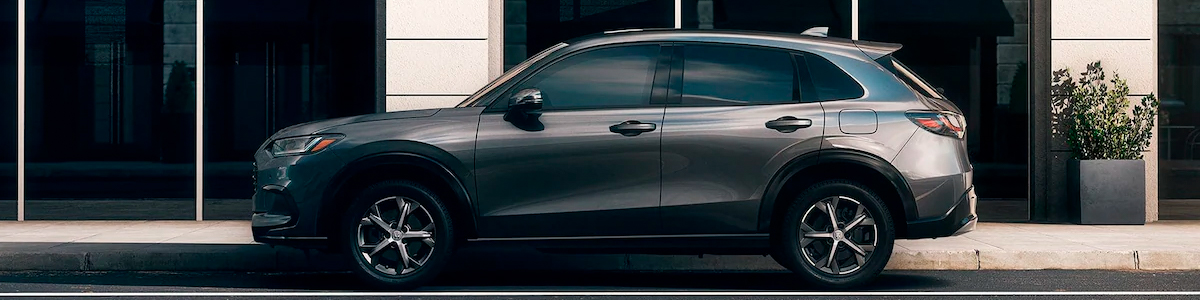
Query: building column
point(1122, 35)
point(437, 52)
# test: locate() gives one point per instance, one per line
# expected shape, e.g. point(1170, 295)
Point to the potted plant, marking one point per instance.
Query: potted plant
point(1106, 173)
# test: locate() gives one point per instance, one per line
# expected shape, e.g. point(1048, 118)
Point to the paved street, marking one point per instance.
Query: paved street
point(634, 285)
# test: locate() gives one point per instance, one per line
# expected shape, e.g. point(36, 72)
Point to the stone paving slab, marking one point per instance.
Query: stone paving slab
point(228, 246)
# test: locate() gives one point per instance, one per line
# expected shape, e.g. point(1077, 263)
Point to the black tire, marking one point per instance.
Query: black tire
point(375, 270)
point(804, 261)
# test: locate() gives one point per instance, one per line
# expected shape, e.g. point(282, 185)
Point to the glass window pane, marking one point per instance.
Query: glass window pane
point(533, 25)
point(8, 111)
point(1179, 118)
point(768, 15)
point(271, 64)
point(611, 77)
point(830, 81)
point(716, 75)
point(110, 109)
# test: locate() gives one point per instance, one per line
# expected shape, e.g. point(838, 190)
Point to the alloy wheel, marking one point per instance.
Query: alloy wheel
point(396, 236)
point(837, 235)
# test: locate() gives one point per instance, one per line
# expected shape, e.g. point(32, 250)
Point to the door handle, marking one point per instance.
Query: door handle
point(788, 124)
point(632, 128)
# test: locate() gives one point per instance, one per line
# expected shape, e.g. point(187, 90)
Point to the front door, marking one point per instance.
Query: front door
point(589, 165)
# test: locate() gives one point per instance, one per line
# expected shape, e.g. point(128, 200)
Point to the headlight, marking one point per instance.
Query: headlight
point(302, 144)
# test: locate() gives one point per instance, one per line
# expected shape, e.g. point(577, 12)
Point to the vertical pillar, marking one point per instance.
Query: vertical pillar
point(678, 14)
point(20, 110)
point(199, 110)
point(854, 19)
point(1045, 205)
point(1072, 33)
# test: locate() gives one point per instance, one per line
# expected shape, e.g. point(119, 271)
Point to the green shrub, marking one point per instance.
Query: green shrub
point(1097, 118)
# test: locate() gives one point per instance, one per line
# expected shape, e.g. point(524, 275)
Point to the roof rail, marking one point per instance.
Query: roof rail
point(817, 31)
point(623, 30)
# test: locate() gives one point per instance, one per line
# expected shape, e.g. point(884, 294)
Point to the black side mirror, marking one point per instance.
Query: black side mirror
point(526, 100)
point(940, 91)
point(524, 105)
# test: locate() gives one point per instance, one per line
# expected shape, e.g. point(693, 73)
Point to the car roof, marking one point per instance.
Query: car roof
point(792, 41)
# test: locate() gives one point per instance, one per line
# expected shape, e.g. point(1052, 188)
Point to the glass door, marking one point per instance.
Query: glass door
point(8, 111)
point(110, 109)
point(272, 64)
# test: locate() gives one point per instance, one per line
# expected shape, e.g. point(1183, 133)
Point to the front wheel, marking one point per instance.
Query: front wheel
point(398, 234)
point(837, 234)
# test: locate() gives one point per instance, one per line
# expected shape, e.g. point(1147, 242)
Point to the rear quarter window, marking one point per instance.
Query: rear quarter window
point(829, 81)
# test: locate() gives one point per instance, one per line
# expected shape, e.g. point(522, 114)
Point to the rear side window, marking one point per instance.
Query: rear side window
point(829, 81)
point(727, 75)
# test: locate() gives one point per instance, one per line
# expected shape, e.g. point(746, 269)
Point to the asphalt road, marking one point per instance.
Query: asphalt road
point(578, 285)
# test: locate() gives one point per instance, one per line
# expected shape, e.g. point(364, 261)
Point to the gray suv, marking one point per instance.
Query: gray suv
point(818, 151)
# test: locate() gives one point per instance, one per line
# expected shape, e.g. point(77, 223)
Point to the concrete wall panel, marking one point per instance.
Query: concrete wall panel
point(1133, 60)
point(438, 67)
point(441, 19)
point(1108, 19)
point(398, 103)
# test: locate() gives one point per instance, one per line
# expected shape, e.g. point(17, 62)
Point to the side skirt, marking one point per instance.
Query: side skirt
point(723, 244)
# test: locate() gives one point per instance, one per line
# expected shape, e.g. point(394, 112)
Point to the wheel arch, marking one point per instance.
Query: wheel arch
point(848, 164)
point(415, 163)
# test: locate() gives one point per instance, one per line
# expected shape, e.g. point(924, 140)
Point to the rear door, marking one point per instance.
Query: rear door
point(734, 117)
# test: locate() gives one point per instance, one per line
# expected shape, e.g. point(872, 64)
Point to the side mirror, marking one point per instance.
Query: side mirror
point(526, 100)
point(525, 105)
point(940, 91)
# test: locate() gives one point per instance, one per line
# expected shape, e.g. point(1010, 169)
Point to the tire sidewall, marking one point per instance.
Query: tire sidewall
point(788, 250)
point(443, 237)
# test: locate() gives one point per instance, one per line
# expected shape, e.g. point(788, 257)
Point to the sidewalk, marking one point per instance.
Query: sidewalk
point(228, 246)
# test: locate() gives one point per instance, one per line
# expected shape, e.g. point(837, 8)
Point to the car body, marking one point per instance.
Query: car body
point(656, 141)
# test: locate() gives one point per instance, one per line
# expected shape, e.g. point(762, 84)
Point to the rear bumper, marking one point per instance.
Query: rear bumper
point(961, 219)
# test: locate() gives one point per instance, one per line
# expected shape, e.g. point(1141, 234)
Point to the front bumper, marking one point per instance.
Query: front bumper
point(961, 219)
point(287, 199)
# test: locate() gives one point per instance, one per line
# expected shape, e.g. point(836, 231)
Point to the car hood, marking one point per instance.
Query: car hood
point(319, 126)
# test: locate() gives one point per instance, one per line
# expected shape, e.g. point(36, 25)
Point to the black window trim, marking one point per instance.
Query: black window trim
point(500, 103)
point(676, 97)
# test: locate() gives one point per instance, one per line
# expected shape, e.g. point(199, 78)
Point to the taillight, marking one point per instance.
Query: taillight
point(943, 123)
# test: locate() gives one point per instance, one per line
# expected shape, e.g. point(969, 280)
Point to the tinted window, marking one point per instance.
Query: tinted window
point(830, 82)
point(610, 77)
point(722, 75)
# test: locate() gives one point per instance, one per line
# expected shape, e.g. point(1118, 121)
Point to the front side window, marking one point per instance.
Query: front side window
point(609, 77)
point(474, 98)
point(724, 75)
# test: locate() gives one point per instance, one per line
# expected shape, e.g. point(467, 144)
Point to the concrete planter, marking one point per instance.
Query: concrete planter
point(1107, 192)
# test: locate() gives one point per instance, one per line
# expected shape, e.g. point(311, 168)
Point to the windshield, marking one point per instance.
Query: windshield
point(508, 75)
point(909, 77)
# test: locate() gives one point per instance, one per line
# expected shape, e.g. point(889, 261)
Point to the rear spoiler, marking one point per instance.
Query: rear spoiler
point(875, 50)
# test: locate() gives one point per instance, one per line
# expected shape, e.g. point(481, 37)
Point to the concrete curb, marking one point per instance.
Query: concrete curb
point(264, 258)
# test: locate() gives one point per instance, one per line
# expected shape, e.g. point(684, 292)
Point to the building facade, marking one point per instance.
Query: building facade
point(116, 109)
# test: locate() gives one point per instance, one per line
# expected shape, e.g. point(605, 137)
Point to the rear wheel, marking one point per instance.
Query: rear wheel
point(398, 234)
point(837, 234)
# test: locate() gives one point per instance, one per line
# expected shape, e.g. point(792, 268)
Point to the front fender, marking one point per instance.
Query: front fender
point(410, 155)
